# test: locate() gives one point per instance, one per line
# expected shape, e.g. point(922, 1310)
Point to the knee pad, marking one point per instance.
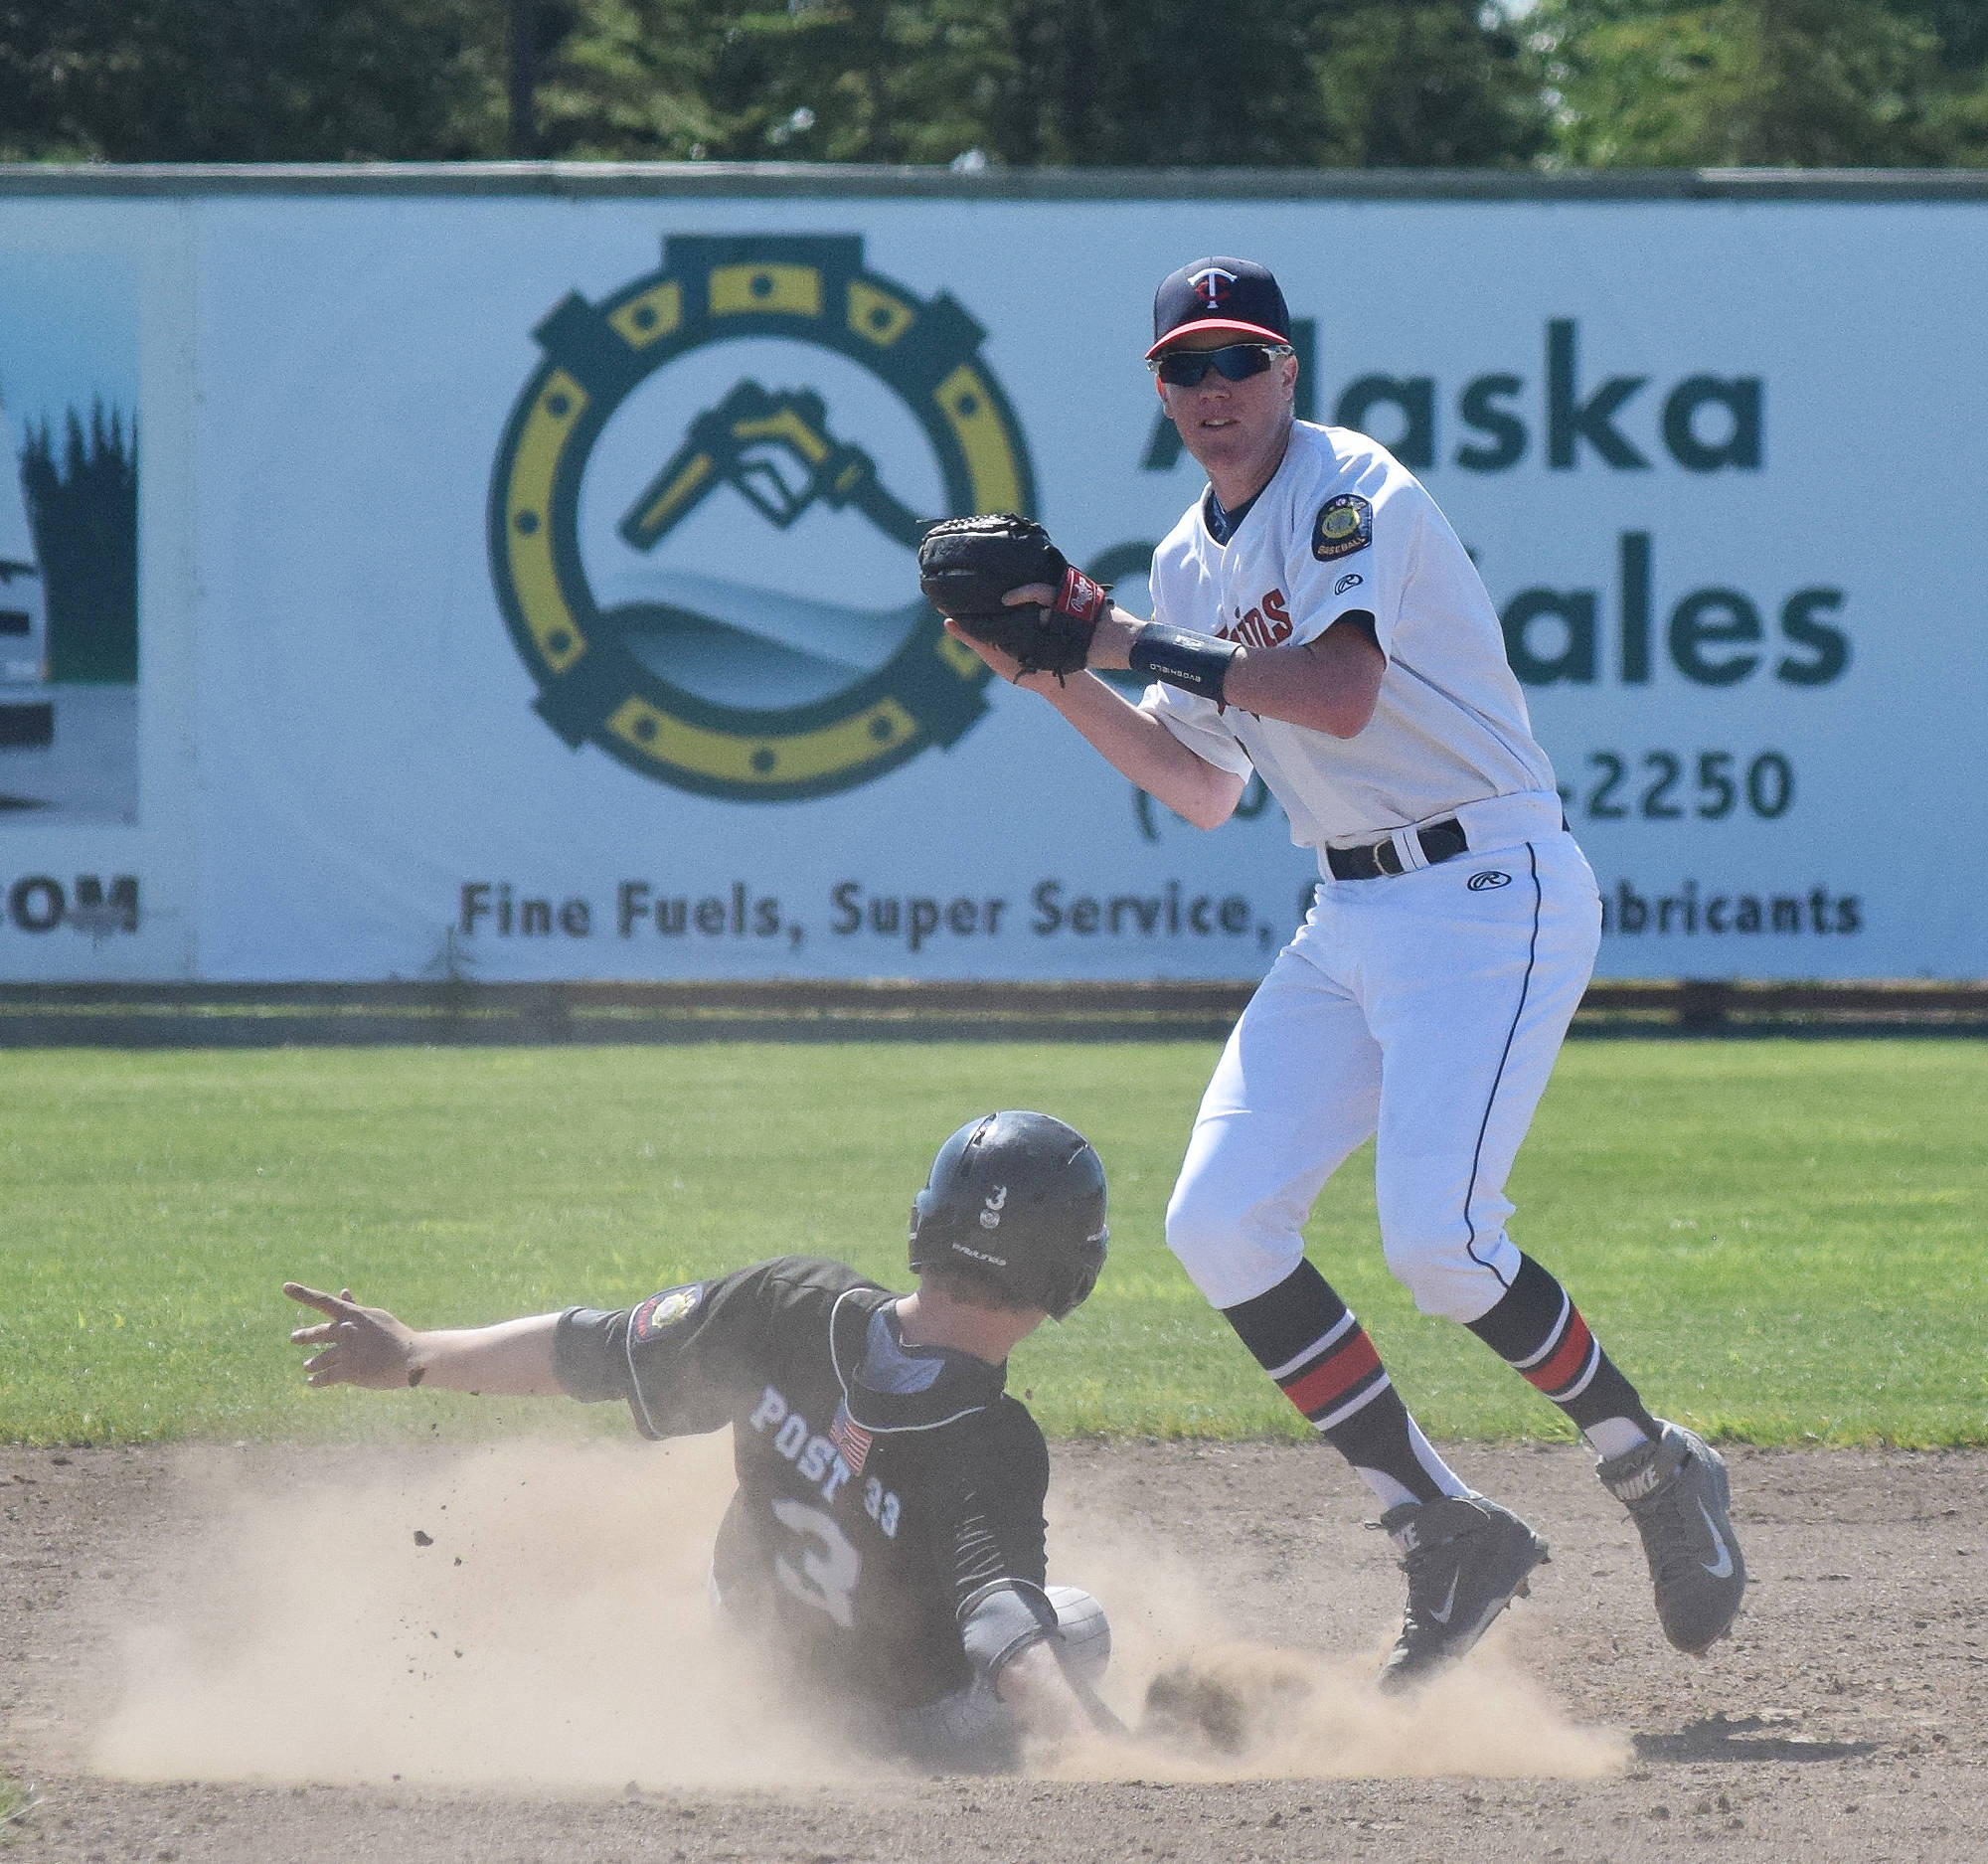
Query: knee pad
point(1085, 1650)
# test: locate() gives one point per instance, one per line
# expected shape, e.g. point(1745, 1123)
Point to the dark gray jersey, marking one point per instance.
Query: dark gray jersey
point(882, 1489)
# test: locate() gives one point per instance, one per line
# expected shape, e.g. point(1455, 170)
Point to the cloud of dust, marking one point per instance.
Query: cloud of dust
point(1228, 1709)
point(555, 1628)
point(551, 1626)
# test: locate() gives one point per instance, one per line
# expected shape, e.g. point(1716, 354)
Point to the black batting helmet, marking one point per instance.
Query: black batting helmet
point(1018, 1198)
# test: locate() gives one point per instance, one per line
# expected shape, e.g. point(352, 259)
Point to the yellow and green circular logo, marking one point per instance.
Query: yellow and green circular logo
point(705, 516)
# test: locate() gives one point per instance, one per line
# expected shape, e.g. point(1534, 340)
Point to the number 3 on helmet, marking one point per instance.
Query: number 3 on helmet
point(1017, 1200)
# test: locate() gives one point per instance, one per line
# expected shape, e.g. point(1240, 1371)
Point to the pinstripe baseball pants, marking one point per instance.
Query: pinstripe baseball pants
point(1425, 1009)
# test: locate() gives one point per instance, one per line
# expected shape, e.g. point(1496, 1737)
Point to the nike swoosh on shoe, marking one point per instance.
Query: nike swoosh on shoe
point(1722, 1568)
point(1449, 1604)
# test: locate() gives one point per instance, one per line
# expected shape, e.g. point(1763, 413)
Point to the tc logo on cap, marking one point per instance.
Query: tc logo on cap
point(1220, 293)
point(1212, 285)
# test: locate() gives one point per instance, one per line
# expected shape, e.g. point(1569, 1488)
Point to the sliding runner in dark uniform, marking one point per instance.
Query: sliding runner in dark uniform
point(886, 1533)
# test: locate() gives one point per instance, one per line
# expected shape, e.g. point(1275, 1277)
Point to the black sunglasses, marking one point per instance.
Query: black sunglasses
point(1236, 362)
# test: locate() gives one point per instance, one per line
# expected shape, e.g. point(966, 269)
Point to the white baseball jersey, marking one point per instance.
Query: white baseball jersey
point(1343, 526)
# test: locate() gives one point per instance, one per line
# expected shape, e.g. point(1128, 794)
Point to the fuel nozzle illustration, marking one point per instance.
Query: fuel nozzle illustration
point(774, 448)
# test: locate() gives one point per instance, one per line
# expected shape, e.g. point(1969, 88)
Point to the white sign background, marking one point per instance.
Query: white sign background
point(343, 777)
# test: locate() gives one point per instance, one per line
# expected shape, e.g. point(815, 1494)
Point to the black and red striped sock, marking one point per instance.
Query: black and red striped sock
point(1306, 1338)
point(1539, 1332)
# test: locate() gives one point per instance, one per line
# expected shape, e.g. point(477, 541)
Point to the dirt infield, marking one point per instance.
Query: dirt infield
point(246, 1654)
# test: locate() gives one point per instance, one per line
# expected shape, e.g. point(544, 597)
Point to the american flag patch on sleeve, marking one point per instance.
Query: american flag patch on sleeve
point(850, 1437)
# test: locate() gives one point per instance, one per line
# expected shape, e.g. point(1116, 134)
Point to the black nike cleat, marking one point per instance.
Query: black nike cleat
point(1676, 1489)
point(1466, 1560)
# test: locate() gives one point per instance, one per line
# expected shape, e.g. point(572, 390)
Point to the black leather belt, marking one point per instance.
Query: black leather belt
point(1442, 841)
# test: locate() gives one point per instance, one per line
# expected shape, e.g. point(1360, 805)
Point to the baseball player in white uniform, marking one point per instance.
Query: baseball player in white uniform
point(1317, 621)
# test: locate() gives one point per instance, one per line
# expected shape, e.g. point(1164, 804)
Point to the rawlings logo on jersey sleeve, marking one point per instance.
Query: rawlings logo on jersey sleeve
point(1345, 523)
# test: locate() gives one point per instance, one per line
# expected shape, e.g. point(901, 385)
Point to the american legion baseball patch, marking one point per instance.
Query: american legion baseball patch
point(659, 1310)
point(1345, 523)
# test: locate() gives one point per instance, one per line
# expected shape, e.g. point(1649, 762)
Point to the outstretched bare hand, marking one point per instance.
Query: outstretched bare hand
point(363, 1346)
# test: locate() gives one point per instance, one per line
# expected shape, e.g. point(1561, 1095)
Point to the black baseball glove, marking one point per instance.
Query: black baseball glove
point(966, 567)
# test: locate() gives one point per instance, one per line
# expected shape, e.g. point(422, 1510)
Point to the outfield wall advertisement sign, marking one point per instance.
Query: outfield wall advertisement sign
point(524, 588)
point(97, 842)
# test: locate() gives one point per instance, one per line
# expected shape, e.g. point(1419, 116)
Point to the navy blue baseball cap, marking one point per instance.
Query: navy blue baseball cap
point(1235, 295)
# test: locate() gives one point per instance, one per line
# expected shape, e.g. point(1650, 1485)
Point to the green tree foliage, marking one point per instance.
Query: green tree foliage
point(629, 81)
point(1960, 26)
point(1025, 82)
point(84, 511)
point(241, 80)
point(1137, 84)
point(1085, 83)
point(1761, 82)
point(859, 80)
point(1959, 115)
point(1425, 83)
point(679, 80)
point(30, 124)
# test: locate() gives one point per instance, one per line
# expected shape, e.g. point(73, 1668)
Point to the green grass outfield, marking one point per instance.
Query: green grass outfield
point(1780, 1241)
